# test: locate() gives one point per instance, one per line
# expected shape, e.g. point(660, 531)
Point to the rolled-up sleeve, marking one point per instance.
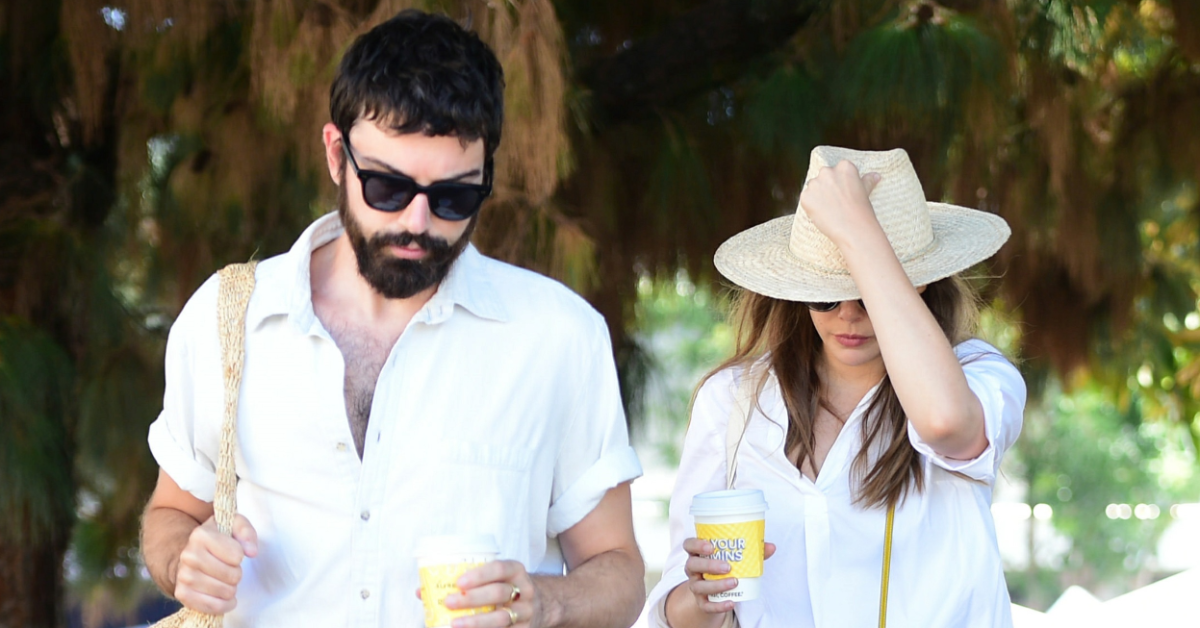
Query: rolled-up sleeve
point(183, 438)
point(595, 454)
point(1001, 392)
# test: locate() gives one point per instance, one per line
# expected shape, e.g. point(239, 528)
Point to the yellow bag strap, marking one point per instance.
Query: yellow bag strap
point(887, 566)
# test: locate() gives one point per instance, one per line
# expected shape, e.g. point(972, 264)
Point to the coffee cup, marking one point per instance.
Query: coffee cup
point(733, 522)
point(440, 562)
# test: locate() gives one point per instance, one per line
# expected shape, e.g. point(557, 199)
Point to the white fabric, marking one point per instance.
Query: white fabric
point(497, 412)
point(945, 569)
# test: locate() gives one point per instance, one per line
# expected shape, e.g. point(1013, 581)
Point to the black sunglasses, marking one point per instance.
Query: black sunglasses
point(389, 192)
point(829, 306)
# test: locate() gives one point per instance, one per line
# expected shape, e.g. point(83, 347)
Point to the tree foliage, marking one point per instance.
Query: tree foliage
point(1111, 478)
point(145, 143)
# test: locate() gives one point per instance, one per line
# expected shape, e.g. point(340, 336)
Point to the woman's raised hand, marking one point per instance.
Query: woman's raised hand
point(836, 200)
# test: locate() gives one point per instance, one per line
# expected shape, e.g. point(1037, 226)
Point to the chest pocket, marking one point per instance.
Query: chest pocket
point(479, 486)
point(491, 455)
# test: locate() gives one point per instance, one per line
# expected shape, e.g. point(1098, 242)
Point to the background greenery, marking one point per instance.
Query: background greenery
point(145, 143)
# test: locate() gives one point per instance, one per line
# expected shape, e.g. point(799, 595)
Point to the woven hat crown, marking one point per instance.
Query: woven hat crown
point(898, 199)
point(789, 258)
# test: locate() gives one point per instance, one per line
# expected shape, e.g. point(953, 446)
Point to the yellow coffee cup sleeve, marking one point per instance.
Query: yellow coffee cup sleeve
point(739, 544)
point(438, 581)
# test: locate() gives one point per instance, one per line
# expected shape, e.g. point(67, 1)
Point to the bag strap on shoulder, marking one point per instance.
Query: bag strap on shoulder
point(236, 285)
point(233, 295)
point(735, 429)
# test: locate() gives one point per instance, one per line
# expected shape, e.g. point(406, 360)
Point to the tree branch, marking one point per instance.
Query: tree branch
point(691, 54)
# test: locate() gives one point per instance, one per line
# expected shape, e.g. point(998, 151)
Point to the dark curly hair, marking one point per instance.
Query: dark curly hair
point(421, 73)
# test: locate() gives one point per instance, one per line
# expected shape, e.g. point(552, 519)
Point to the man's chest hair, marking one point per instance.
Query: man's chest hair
point(363, 354)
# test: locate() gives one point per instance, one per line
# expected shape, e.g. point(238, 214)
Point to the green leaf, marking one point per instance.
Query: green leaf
point(916, 72)
point(36, 379)
point(785, 113)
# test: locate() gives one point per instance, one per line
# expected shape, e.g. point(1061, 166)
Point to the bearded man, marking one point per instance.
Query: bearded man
point(398, 385)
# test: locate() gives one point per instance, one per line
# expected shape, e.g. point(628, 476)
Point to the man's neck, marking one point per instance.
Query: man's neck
point(338, 286)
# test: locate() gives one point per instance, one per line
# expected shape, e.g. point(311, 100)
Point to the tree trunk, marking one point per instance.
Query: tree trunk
point(31, 176)
point(31, 583)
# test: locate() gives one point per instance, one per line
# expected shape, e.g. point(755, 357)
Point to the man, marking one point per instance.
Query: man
point(397, 385)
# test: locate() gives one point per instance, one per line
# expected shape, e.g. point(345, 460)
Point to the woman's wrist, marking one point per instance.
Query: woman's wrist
point(862, 231)
point(671, 605)
point(681, 610)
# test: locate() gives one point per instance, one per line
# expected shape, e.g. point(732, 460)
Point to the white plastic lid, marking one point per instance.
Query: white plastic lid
point(457, 544)
point(735, 502)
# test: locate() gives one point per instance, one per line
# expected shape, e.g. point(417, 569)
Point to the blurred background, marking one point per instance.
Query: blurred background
point(146, 143)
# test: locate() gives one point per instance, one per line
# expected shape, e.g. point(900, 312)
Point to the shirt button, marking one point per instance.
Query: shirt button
point(365, 594)
point(366, 515)
point(341, 446)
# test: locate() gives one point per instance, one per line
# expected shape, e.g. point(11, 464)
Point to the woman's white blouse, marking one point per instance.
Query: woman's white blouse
point(826, 572)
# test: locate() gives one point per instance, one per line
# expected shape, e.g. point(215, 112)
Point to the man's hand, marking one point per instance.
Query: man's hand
point(504, 584)
point(210, 566)
point(604, 586)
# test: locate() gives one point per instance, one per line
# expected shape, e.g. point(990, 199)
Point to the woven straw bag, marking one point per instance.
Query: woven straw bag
point(236, 284)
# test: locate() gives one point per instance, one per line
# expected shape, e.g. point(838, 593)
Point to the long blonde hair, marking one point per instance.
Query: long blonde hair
point(783, 332)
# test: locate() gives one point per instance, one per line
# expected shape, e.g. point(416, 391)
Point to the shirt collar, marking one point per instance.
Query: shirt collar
point(285, 288)
point(471, 285)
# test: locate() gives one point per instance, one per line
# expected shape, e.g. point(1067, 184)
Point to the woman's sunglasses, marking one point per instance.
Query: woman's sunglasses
point(389, 192)
point(823, 306)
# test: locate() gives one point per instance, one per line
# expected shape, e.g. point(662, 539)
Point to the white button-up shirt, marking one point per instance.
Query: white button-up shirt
point(497, 411)
point(826, 571)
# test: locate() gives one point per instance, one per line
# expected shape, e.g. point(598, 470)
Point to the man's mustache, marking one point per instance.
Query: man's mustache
point(405, 238)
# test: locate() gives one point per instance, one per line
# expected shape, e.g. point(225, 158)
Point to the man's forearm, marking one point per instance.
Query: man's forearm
point(165, 533)
point(607, 591)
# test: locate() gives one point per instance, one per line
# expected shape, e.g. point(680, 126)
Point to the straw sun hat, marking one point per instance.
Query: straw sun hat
point(788, 258)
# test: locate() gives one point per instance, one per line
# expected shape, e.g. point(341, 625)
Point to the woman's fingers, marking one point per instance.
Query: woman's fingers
point(697, 547)
point(870, 180)
point(697, 565)
point(837, 200)
point(716, 607)
point(698, 561)
point(703, 588)
point(712, 587)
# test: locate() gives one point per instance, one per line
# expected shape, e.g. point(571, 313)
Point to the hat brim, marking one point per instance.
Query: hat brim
point(758, 259)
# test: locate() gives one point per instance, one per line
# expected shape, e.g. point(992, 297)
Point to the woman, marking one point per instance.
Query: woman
point(854, 341)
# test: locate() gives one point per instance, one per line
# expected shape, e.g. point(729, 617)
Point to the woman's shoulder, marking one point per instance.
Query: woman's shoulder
point(725, 382)
point(974, 349)
point(720, 385)
point(738, 384)
point(982, 358)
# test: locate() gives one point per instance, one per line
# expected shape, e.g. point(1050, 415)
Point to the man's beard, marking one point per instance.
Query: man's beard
point(394, 277)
